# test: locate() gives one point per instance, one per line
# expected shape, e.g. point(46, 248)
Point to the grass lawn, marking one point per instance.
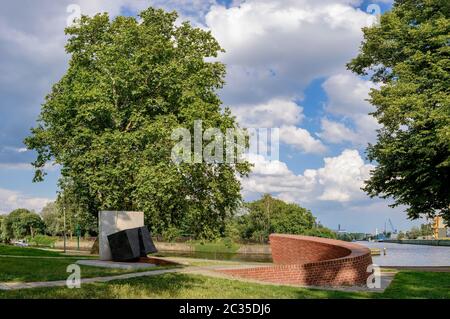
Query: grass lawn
point(47, 266)
point(408, 284)
point(43, 265)
point(216, 246)
point(26, 251)
point(47, 269)
point(174, 285)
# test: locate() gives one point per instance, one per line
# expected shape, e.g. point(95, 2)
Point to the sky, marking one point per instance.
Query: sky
point(285, 68)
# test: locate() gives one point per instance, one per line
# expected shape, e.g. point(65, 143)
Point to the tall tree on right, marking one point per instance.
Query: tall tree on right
point(408, 54)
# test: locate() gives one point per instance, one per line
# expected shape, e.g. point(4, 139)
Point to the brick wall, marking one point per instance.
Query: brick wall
point(312, 261)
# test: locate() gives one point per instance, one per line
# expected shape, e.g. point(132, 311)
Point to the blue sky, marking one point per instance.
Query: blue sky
point(286, 68)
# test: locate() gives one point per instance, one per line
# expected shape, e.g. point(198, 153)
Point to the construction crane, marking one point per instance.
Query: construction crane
point(394, 231)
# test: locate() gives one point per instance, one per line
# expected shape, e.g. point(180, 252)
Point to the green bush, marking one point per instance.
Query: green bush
point(171, 234)
point(270, 215)
point(21, 223)
point(320, 232)
point(223, 245)
point(42, 241)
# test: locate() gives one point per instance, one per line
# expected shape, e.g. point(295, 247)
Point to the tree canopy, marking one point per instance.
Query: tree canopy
point(408, 53)
point(269, 215)
point(77, 217)
point(21, 223)
point(52, 219)
point(108, 121)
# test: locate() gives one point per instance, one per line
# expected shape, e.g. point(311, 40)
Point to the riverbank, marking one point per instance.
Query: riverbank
point(214, 247)
point(428, 242)
point(219, 246)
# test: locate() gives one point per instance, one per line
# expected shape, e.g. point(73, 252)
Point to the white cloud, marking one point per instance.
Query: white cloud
point(301, 139)
point(193, 10)
point(16, 166)
point(348, 94)
point(275, 48)
point(339, 180)
point(347, 99)
point(284, 114)
point(366, 126)
point(11, 200)
point(275, 177)
point(14, 149)
point(274, 113)
point(49, 167)
point(343, 176)
point(336, 132)
point(266, 167)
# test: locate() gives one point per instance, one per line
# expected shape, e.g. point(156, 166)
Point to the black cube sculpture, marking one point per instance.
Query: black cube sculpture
point(131, 244)
point(146, 244)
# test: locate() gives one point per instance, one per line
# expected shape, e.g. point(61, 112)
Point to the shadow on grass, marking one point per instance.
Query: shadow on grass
point(423, 285)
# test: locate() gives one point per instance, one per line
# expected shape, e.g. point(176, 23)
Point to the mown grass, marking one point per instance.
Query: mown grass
point(9, 250)
point(183, 286)
point(43, 265)
point(49, 269)
point(172, 285)
point(429, 285)
point(218, 246)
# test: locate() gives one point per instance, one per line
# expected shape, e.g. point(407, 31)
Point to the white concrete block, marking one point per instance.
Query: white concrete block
point(110, 222)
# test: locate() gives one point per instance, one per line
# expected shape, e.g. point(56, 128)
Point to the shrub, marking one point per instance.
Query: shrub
point(42, 240)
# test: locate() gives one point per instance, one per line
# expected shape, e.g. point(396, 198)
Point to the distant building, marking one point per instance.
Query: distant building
point(340, 230)
point(440, 229)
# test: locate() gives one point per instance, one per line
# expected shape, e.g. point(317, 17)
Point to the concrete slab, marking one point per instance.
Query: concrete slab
point(112, 264)
point(110, 222)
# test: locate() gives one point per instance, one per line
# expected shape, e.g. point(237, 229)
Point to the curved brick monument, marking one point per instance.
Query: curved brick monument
point(311, 261)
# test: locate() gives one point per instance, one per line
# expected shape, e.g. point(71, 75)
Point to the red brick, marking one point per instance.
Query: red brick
point(306, 260)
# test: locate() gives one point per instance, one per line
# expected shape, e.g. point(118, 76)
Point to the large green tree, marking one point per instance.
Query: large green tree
point(270, 215)
point(3, 237)
point(108, 122)
point(76, 216)
point(52, 219)
point(408, 53)
point(21, 223)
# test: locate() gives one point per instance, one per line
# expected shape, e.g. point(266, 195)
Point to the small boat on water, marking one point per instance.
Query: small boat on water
point(375, 251)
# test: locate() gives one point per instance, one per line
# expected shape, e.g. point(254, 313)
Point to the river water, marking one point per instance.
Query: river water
point(396, 255)
point(409, 255)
